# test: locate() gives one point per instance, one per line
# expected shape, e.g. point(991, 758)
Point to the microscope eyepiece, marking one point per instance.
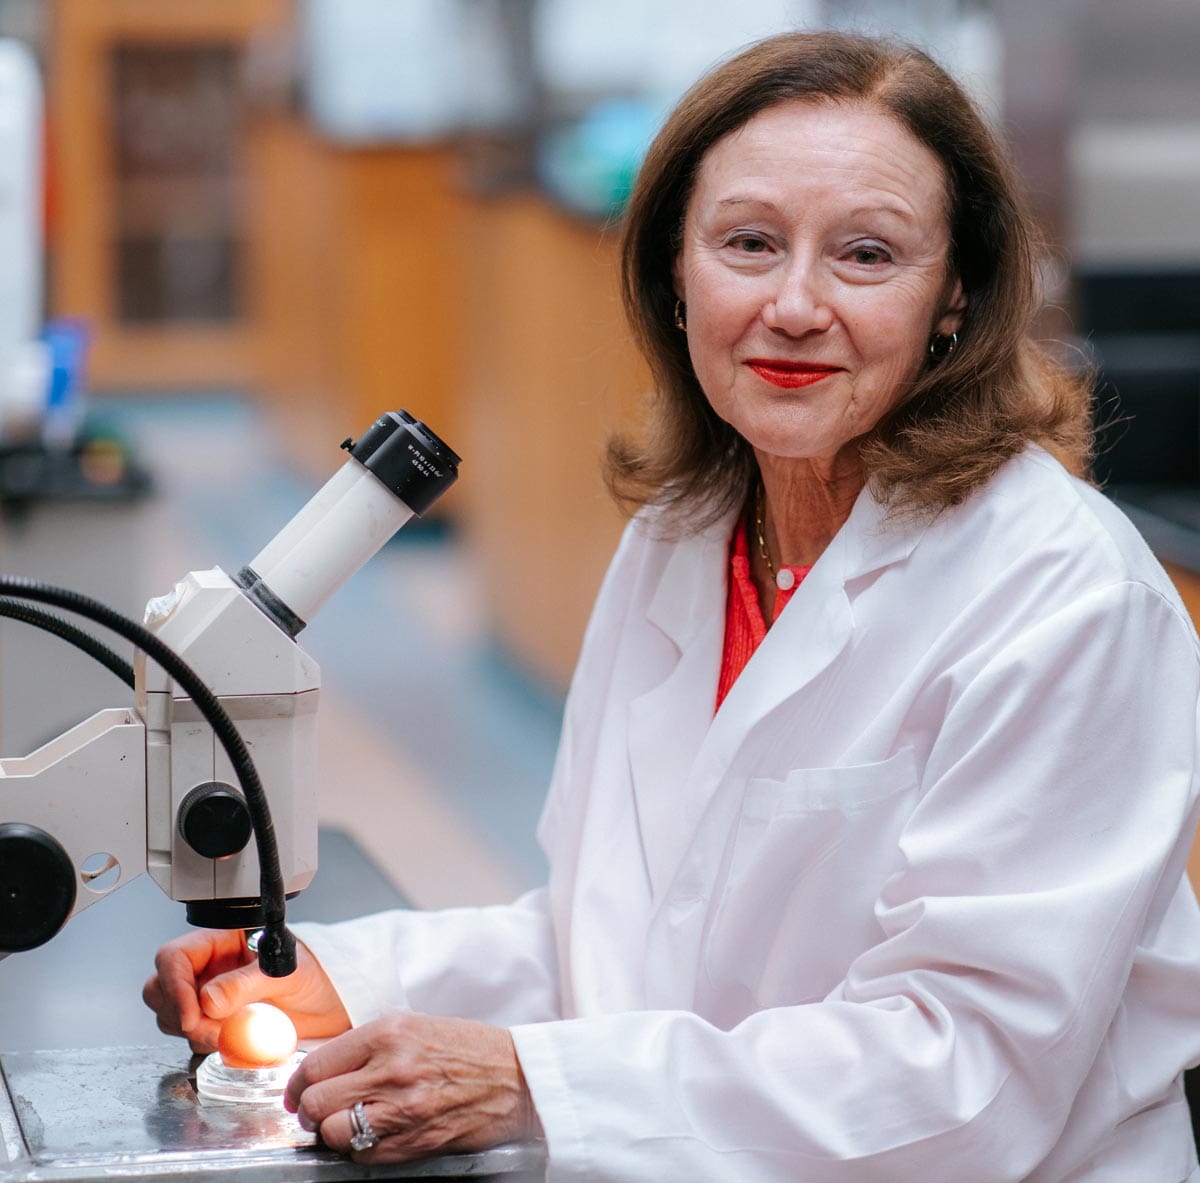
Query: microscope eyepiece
point(408, 458)
point(398, 469)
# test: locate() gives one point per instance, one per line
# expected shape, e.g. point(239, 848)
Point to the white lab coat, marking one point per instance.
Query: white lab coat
point(911, 906)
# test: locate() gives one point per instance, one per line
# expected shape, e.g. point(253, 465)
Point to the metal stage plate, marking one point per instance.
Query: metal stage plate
point(132, 1113)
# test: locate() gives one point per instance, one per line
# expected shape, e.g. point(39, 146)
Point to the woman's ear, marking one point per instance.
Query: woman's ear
point(952, 310)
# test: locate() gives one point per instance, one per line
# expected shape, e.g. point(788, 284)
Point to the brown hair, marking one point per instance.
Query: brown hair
point(965, 414)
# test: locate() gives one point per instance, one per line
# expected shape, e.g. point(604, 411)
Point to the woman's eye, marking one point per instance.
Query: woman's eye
point(748, 244)
point(868, 255)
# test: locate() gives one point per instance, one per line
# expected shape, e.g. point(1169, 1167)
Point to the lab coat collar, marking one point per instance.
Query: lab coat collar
point(668, 724)
point(694, 580)
point(679, 751)
point(692, 587)
point(871, 540)
point(815, 626)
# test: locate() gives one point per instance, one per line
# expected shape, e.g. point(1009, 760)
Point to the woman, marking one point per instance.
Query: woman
point(869, 820)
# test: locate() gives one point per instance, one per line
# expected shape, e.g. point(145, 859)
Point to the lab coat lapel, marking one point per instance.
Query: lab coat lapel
point(808, 637)
point(814, 628)
point(668, 724)
point(680, 754)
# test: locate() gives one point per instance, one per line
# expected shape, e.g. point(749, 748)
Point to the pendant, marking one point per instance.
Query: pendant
point(785, 579)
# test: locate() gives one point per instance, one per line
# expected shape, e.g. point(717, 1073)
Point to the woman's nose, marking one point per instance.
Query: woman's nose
point(800, 302)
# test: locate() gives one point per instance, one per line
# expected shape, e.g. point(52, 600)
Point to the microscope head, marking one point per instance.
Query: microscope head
point(239, 635)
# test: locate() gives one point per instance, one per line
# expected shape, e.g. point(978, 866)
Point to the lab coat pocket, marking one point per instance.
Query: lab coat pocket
point(805, 867)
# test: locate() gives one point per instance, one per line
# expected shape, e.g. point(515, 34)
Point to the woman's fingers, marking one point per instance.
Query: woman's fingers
point(230, 991)
point(181, 968)
point(171, 992)
point(153, 997)
point(426, 1085)
point(201, 978)
point(400, 1136)
point(307, 996)
point(411, 1141)
point(338, 1130)
point(332, 1063)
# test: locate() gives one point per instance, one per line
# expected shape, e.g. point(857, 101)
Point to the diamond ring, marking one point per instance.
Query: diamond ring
point(363, 1137)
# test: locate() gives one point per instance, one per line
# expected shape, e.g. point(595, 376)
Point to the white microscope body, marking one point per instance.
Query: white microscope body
point(150, 788)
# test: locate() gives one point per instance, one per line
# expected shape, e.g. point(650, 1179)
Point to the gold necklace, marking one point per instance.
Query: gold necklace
point(785, 579)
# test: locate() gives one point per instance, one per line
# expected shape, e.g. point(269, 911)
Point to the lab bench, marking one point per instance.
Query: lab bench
point(89, 1087)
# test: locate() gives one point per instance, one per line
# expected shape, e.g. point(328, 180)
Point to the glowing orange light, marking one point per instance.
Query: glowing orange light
point(257, 1036)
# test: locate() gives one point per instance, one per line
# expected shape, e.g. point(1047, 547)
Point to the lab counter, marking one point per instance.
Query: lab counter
point(89, 1088)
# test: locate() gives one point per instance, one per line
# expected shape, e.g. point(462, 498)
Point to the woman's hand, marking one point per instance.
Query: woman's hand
point(201, 978)
point(427, 1085)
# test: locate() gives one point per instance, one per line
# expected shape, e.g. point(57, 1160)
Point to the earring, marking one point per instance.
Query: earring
point(941, 346)
point(681, 316)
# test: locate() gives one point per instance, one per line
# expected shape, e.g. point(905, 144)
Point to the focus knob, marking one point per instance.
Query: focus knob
point(37, 887)
point(214, 820)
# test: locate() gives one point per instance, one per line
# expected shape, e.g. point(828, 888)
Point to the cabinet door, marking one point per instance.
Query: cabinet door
point(152, 240)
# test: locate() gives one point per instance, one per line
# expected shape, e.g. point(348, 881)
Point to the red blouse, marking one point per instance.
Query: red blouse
point(744, 624)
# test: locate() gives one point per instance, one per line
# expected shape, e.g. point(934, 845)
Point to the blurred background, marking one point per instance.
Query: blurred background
point(233, 233)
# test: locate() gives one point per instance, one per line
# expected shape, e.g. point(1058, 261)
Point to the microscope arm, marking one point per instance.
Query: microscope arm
point(83, 794)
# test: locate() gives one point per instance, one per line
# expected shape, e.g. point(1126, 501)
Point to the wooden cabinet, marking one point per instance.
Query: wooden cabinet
point(218, 242)
point(551, 371)
point(153, 235)
point(496, 320)
point(215, 241)
point(361, 273)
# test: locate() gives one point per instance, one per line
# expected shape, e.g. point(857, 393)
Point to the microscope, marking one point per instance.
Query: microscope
point(219, 745)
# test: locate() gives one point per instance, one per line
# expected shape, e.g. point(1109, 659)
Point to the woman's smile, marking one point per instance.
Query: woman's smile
point(790, 374)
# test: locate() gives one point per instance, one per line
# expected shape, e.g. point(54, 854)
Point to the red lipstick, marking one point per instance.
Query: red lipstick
point(788, 374)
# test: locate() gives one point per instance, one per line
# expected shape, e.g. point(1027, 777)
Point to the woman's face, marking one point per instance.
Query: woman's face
point(814, 269)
